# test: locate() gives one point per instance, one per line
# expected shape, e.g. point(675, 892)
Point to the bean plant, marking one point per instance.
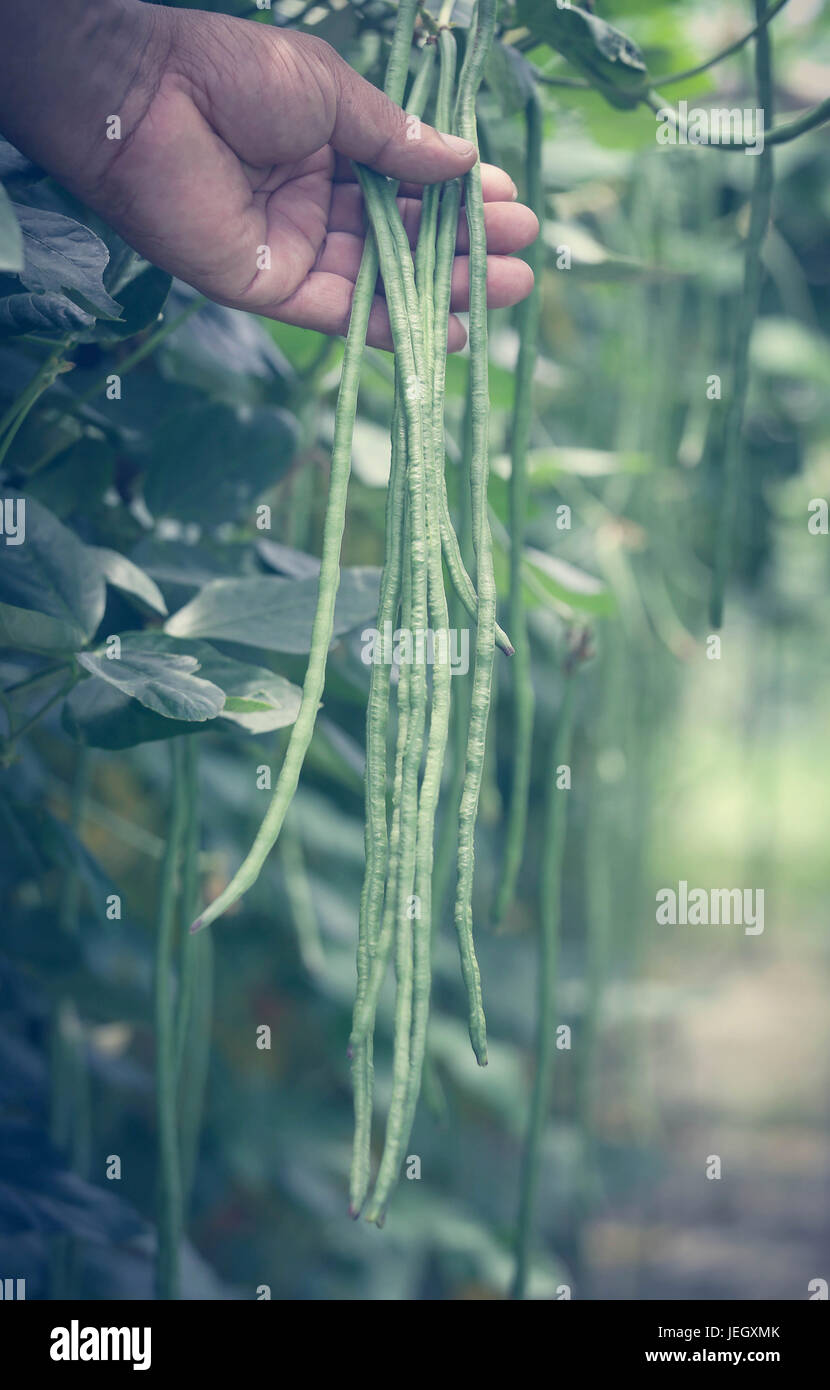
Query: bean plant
point(198, 641)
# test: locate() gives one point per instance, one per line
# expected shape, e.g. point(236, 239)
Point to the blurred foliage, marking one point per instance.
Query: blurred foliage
point(183, 518)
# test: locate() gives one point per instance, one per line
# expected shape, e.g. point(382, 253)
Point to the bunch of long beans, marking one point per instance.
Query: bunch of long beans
point(396, 906)
point(395, 910)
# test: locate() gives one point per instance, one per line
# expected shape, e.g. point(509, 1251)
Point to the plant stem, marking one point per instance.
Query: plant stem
point(747, 310)
point(523, 696)
point(143, 350)
point(727, 52)
point(550, 908)
point(19, 409)
point(169, 1190)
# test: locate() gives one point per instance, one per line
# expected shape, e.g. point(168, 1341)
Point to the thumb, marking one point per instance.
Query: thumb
point(371, 129)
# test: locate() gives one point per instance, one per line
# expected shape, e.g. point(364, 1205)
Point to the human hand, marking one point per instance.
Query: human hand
point(235, 137)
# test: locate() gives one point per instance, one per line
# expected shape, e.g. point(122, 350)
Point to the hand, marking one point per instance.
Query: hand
point(237, 136)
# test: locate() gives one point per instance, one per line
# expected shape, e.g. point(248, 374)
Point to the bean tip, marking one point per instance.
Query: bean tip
point(197, 926)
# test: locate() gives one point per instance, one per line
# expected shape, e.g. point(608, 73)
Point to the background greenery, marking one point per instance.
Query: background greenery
point(142, 522)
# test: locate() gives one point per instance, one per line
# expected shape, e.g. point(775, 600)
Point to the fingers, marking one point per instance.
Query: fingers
point(510, 226)
point(508, 282)
point(371, 129)
point(496, 186)
point(324, 300)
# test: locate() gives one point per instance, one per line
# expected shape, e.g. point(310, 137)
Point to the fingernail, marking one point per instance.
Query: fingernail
point(458, 146)
point(515, 191)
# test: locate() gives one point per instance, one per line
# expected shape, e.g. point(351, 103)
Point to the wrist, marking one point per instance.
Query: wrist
point(67, 68)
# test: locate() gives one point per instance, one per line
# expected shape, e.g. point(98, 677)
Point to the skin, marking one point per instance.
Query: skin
point(235, 136)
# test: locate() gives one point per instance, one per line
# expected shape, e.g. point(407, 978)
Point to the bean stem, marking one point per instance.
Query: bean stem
point(169, 1183)
point(550, 903)
point(761, 205)
point(523, 696)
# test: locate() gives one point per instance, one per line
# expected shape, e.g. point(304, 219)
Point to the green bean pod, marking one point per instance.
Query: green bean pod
point(465, 121)
point(407, 330)
point(374, 946)
point(323, 624)
point(422, 285)
point(523, 697)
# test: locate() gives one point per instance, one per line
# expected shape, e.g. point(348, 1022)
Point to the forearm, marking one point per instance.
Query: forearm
point(67, 67)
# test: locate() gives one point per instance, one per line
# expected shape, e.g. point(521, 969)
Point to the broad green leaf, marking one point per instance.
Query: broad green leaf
point(604, 54)
point(565, 582)
point(510, 77)
point(41, 313)
point(52, 592)
point(35, 632)
point(222, 350)
point(15, 167)
point(141, 301)
point(573, 249)
point(11, 237)
point(544, 466)
point(162, 681)
point(77, 477)
point(130, 579)
point(208, 463)
point(63, 255)
point(786, 348)
point(283, 558)
point(256, 699)
point(273, 614)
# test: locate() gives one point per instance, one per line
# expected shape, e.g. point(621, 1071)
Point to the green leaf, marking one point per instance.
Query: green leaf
point(590, 260)
point(61, 254)
point(100, 716)
point(256, 699)
point(208, 462)
point(141, 301)
point(604, 54)
point(571, 585)
point(11, 237)
point(785, 348)
point(77, 477)
point(544, 466)
point(273, 614)
point(42, 313)
point(52, 592)
point(510, 77)
point(129, 579)
point(162, 681)
point(297, 564)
